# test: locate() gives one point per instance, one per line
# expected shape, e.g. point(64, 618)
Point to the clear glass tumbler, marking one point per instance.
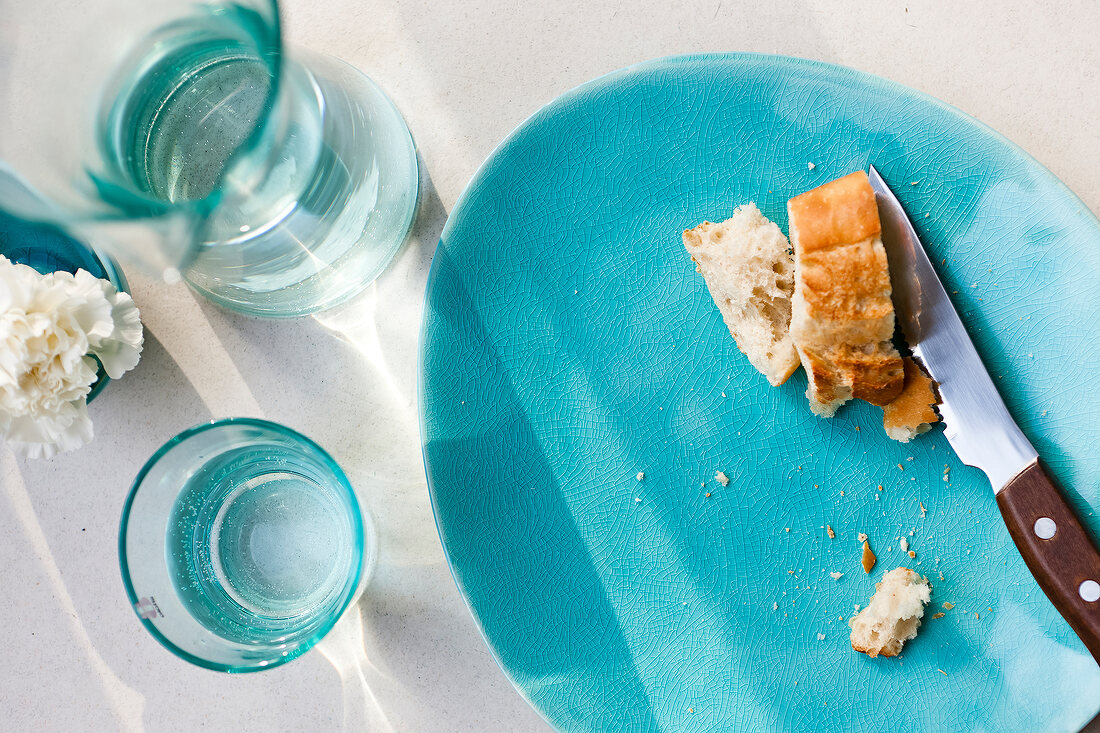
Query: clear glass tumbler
point(241, 544)
point(186, 138)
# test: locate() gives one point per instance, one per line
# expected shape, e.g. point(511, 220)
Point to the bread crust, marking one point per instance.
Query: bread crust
point(890, 650)
point(911, 413)
point(843, 318)
point(839, 212)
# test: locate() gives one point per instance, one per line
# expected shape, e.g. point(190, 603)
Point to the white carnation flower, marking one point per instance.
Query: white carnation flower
point(108, 317)
point(53, 328)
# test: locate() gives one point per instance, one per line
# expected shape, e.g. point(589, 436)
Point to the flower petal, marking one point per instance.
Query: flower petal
point(53, 329)
point(44, 436)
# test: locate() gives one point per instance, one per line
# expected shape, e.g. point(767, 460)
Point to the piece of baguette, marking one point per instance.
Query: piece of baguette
point(911, 413)
point(842, 317)
point(746, 264)
point(893, 614)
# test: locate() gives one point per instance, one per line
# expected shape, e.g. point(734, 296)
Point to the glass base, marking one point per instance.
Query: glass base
point(356, 211)
point(241, 545)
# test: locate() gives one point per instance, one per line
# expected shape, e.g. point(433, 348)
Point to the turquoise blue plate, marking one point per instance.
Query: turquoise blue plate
point(568, 345)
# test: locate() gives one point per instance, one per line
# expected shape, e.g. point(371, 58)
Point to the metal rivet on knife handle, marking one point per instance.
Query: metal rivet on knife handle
point(1045, 528)
point(1066, 566)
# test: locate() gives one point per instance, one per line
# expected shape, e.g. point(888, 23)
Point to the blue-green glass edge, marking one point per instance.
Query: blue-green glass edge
point(124, 567)
point(117, 278)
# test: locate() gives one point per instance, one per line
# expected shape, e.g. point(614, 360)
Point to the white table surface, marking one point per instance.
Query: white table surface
point(464, 73)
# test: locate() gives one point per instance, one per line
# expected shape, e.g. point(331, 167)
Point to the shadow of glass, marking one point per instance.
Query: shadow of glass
point(567, 652)
point(344, 649)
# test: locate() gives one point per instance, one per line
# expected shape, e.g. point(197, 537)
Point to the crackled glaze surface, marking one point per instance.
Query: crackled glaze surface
point(569, 344)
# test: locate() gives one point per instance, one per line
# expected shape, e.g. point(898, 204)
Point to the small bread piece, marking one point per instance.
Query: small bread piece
point(893, 614)
point(911, 413)
point(747, 266)
point(868, 559)
point(842, 316)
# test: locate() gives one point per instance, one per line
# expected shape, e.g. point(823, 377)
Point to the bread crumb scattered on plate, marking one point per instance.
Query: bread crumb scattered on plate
point(862, 537)
point(721, 478)
point(835, 576)
point(640, 476)
point(893, 614)
point(868, 560)
point(829, 531)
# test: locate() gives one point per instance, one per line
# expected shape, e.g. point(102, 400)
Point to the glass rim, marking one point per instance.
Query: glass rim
point(265, 33)
point(270, 48)
point(116, 277)
point(357, 528)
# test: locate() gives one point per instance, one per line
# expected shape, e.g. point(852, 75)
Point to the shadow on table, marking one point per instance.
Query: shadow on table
point(406, 657)
point(72, 539)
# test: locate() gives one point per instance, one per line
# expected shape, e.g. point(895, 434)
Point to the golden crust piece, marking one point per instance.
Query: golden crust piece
point(837, 213)
point(911, 413)
point(843, 318)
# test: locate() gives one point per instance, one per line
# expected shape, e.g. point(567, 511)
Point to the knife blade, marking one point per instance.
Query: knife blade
point(976, 421)
point(1054, 544)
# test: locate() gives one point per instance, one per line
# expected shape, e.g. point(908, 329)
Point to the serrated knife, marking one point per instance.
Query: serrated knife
point(1050, 537)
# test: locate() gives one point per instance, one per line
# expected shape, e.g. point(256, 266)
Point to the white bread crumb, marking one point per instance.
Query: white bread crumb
point(749, 272)
point(836, 576)
point(640, 476)
point(893, 614)
point(721, 478)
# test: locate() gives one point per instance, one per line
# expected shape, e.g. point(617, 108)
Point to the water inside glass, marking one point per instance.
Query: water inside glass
point(257, 543)
point(308, 171)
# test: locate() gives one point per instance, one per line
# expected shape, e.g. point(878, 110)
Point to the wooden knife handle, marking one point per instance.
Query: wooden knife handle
point(1056, 548)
